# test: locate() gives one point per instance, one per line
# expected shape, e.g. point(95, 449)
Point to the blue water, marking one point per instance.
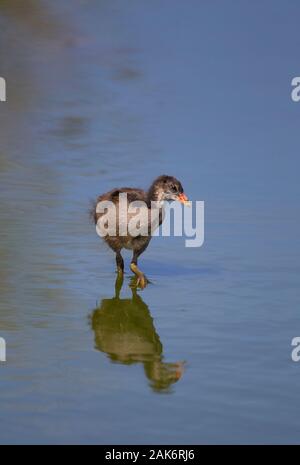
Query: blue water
point(105, 94)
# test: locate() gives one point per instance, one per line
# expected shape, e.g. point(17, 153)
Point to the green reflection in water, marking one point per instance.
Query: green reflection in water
point(124, 330)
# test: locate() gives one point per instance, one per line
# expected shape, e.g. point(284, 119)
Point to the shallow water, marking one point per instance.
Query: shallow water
point(102, 94)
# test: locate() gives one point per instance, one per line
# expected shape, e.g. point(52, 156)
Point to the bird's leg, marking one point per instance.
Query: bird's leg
point(120, 271)
point(142, 281)
point(120, 264)
point(118, 285)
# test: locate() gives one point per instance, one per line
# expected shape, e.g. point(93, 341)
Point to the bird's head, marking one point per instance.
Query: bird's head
point(168, 188)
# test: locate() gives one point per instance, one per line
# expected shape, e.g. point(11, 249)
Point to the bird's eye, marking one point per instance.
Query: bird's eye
point(173, 188)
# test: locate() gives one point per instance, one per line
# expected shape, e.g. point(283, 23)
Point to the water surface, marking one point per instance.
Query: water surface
point(105, 94)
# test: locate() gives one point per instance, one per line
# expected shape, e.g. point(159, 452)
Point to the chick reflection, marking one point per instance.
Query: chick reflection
point(124, 330)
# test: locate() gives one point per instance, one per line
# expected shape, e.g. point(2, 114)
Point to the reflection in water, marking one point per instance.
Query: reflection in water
point(124, 330)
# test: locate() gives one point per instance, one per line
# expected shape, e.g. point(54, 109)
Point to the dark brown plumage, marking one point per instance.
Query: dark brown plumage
point(164, 188)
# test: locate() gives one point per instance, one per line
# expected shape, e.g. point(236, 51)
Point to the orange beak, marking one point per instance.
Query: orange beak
point(183, 199)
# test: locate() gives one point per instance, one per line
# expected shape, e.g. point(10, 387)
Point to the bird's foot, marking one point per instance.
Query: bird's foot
point(139, 282)
point(140, 279)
